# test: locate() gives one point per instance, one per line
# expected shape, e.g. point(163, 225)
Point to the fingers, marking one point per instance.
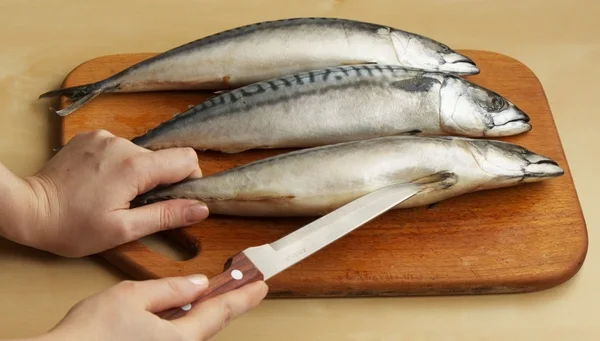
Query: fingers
point(205, 320)
point(151, 168)
point(163, 166)
point(196, 173)
point(160, 294)
point(144, 220)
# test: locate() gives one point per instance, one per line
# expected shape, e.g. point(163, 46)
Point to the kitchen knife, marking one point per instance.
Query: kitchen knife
point(264, 261)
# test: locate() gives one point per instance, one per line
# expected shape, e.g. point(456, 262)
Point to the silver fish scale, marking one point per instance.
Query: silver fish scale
point(377, 80)
point(330, 23)
point(371, 73)
point(315, 180)
point(271, 49)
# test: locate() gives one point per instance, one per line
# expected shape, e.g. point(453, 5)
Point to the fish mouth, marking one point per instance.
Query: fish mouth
point(541, 168)
point(459, 64)
point(513, 127)
point(508, 123)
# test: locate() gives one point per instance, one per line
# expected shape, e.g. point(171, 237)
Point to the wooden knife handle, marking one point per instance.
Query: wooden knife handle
point(237, 272)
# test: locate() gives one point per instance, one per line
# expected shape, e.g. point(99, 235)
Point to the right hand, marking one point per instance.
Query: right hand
point(127, 311)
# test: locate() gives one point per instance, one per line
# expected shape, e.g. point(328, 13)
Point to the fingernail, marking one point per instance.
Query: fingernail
point(265, 289)
point(198, 279)
point(196, 213)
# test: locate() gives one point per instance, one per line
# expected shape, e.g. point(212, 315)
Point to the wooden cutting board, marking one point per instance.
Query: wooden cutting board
point(516, 239)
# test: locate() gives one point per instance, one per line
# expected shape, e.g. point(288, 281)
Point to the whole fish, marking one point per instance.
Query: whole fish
point(315, 181)
point(270, 49)
point(339, 104)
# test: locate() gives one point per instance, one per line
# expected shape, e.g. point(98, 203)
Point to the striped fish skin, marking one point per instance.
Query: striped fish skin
point(335, 105)
point(271, 49)
point(315, 181)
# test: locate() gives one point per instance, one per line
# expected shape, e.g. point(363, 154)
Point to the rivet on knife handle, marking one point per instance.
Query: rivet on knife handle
point(238, 271)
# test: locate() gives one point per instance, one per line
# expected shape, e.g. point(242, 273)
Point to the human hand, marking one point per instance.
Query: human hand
point(127, 311)
point(83, 194)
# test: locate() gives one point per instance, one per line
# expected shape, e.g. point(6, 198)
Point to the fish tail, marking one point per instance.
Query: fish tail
point(72, 93)
point(79, 95)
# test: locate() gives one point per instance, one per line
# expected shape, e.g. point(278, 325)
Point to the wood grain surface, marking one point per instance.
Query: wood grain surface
point(518, 239)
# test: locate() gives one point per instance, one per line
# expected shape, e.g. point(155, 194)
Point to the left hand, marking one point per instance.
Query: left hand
point(82, 195)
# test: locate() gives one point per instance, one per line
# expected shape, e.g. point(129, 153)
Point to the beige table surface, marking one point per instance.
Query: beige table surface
point(40, 41)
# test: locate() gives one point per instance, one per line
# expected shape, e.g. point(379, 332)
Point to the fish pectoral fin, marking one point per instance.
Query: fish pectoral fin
point(438, 181)
point(415, 84)
point(433, 205)
point(413, 132)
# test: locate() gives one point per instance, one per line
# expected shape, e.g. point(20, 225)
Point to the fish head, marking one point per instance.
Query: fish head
point(425, 53)
point(471, 110)
point(511, 164)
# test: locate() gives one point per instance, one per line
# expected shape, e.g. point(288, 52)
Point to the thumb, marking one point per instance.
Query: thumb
point(208, 318)
point(164, 215)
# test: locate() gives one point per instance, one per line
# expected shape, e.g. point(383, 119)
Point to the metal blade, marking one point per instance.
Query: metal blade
point(275, 257)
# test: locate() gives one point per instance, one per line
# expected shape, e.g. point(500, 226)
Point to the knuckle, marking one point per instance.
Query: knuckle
point(119, 139)
point(126, 287)
point(100, 133)
point(79, 136)
point(92, 135)
point(122, 231)
point(133, 167)
point(174, 287)
point(130, 164)
point(113, 142)
point(168, 217)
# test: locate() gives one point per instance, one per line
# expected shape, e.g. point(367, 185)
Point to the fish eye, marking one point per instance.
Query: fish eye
point(444, 47)
point(497, 103)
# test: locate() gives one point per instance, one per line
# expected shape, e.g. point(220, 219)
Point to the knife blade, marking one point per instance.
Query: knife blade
point(265, 261)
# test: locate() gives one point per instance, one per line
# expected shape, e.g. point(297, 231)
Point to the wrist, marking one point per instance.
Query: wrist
point(22, 218)
point(17, 203)
point(21, 211)
point(37, 220)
